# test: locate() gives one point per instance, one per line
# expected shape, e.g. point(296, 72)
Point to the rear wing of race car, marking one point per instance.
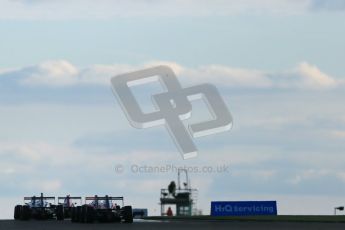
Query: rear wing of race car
point(97, 198)
point(69, 197)
point(104, 197)
point(62, 199)
point(41, 197)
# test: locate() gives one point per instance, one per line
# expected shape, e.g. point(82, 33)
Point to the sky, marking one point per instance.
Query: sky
point(278, 64)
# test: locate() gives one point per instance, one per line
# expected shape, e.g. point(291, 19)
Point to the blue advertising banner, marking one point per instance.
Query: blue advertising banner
point(243, 208)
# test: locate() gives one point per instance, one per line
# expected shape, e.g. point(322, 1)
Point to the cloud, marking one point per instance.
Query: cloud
point(310, 174)
point(327, 5)
point(341, 175)
point(50, 186)
point(51, 73)
point(282, 143)
point(228, 76)
point(312, 77)
point(305, 76)
point(62, 73)
point(254, 170)
point(107, 9)
point(338, 134)
point(104, 9)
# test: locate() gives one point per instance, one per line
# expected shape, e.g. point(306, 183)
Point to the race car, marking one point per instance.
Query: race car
point(102, 209)
point(68, 202)
point(38, 207)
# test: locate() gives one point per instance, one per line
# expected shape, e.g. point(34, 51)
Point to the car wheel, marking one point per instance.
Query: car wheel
point(59, 212)
point(89, 214)
point(78, 214)
point(73, 214)
point(25, 212)
point(127, 214)
point(17, 211)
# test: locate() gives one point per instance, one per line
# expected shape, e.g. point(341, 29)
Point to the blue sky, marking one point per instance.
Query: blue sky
point(278, 64)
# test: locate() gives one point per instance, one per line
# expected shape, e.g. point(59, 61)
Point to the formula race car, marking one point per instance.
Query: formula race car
point(68, 202)
point(40, 207)
point(102, 209)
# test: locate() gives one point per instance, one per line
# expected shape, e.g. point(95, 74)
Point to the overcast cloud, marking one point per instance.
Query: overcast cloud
point(105, 9)
point(61, 73)
point(279, 65)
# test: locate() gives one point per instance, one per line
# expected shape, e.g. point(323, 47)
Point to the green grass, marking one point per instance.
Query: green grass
point(280, 218)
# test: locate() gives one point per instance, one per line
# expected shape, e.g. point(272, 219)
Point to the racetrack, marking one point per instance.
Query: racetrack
point(166, 225)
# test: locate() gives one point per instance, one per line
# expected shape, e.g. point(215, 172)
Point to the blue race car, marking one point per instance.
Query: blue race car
point(102, 209)
point(39, 207)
